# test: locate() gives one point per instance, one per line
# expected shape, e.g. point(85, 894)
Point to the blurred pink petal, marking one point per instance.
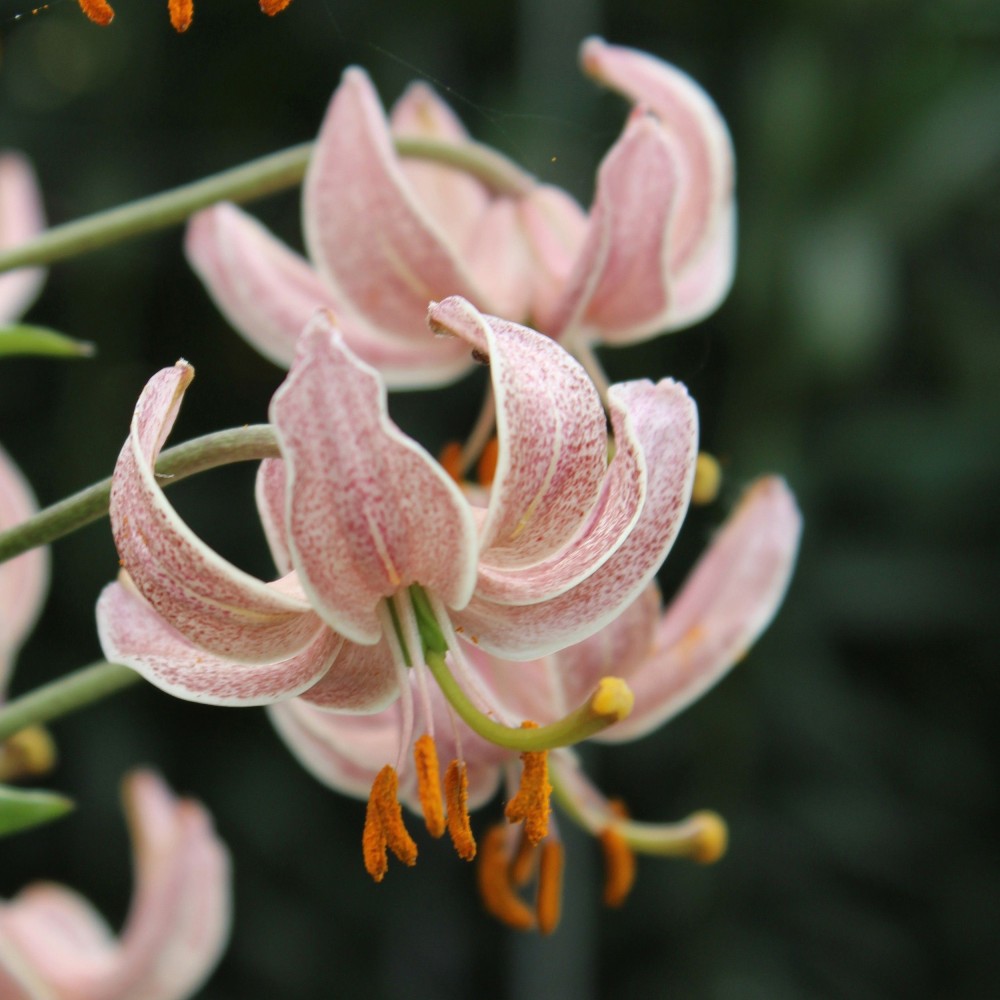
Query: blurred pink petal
point(55, 946)
point(21, 218)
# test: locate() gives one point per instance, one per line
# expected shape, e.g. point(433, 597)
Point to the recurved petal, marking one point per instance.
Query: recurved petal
point(611, 519)
point(725, 604)
point(362, 680)
point(370, 512)
point(268, 293)
point(365, 229)
point(620, 289)
point(551, 429)
point(132, 633)
point(690, 116)
point(177, 925)
point(212, 603)
point(21, 217)
point(455, 200)
point(24, 580)
point(664, 423)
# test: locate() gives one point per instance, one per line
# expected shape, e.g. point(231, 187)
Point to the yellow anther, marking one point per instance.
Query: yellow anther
point(429, 784)
point(707, 479)
point(548, 901)
point(487, 467)
point(272, 7)
point(99, 11)
point(29, 753)
point(711, 837)
point(619, 867)
point(384, 826)
point(181, 14)
point(613, 699)
point(531, 803)
point(450, 459)
point(495, 889)
point(456, 792)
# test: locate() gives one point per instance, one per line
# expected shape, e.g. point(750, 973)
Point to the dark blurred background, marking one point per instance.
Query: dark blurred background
point(853, 753)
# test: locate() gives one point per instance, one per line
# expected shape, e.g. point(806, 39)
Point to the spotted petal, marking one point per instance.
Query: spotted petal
point(369, 511)
point(215, 605)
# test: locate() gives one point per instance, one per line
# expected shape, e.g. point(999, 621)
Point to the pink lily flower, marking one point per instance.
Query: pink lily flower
point(655, 252)
point(358, 515)
point(55, 946)
point(669, 658)
point(21, 217)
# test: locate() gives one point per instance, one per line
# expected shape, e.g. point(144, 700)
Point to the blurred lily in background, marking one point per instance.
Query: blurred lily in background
point(55, 946)
point(21, 217)
point(386, 234)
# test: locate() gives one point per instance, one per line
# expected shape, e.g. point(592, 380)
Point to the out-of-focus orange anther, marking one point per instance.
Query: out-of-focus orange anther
point(548, 902)
point(384, 826)
point(429, 784)
point(495, 889)
point(450, 459)
point(181, 14)
point(487, 466)
point(531, 803)
point(272, 7)
point(522, 867)
point(99, 11)
point(456, 793)
point(619, 867)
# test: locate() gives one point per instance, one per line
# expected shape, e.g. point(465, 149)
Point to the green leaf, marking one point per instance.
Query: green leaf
point(39, 340)
point(21, 809)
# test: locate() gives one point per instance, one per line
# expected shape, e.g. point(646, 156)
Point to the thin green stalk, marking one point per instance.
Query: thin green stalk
point(256, 179)
point(241, 444)
point(65, 695)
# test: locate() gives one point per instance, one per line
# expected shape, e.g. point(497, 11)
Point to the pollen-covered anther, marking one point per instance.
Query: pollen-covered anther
point(456, 792)
point(531, 804)
point(384, 826)
point(548, 901)
point(272, 7)
point(99, 11)
point(181, 14)
point(619, 866)
point(523, 864)
point(450, 459)
point(495, 889)
point(429, 784)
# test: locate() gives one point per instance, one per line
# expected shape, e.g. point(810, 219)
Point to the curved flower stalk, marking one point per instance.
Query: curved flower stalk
point(669, 658)
point(654, 253)
point(55, 946)
point(21, 217)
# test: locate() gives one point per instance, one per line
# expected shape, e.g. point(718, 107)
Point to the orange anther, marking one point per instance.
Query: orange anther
point(181, 14)
point(456, 791)
point(497, 894)
point(619, 867)
point(548, 902)
point(272, 7)
point(450, 459)
point(531, 803)
point(522, 866)
point(487, 467)
point(99, 11)
point(429, 784)
point(384, 826)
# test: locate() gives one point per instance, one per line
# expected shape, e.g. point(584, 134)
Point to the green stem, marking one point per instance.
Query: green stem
point(240, 444)
point(580, 724)
point(252, 180)
point(65, 695)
